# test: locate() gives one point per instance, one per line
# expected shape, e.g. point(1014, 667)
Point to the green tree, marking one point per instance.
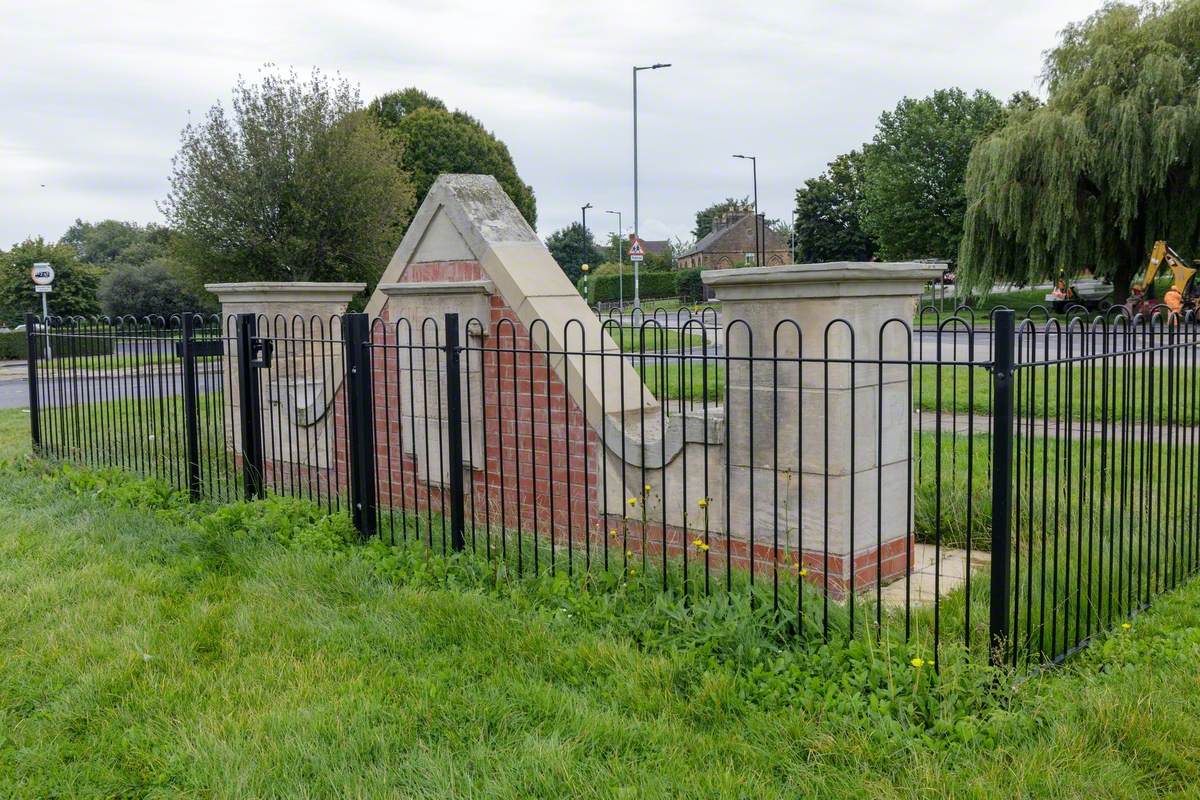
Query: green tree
point(112, 241)
point(572, 247)
point(1109, 164)
point(75, 283)
point(155, 287)
point(705, 217)
point(829, 214)
point(913, 198)
point(437, 140)
point(298, 184)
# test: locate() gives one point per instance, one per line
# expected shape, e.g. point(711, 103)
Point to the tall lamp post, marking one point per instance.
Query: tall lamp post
point(583, 209)
point(792, 243)
point(754, 167)
point(620, 261)
point(636, 294)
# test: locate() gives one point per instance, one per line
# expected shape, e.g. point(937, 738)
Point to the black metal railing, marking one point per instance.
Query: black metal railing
point(1005, 490)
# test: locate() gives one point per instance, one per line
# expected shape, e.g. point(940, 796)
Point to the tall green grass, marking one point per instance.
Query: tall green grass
point(151, 647)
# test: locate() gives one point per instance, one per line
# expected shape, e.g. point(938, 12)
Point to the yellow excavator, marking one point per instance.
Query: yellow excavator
point(1184, 294)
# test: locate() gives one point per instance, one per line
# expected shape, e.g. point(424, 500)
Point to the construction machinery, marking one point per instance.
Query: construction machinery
point(1184, 294)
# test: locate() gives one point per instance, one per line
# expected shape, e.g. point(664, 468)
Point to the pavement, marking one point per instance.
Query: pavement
point(14, 387)
point(934, 574)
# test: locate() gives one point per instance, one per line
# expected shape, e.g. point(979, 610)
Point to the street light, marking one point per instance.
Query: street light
point(754, 166)
point(620, 261)
point(636, 70)
point(584, 210)
point(792, 243)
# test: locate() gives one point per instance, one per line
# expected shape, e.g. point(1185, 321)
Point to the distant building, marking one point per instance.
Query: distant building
point(656, 247)
point(731, 244)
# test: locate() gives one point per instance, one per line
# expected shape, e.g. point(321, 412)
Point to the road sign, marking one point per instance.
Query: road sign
point(636, 253)
point(42, 274)
point(43, 289)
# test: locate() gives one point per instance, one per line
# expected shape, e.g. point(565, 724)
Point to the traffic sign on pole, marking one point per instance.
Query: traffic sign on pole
point(636, 252)
point(42, 274)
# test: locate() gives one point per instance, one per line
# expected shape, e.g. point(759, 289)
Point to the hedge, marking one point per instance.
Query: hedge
point(684, 283)
point(13, 346)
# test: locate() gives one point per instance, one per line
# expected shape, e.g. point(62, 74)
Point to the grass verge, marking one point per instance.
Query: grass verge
point(152, 648)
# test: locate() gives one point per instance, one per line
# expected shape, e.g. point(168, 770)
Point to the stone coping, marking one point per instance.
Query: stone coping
point(284, 291)
point(837, 278)
point(419, 288)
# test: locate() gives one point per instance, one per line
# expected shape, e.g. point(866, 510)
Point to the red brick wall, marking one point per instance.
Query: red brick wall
point(540, 471)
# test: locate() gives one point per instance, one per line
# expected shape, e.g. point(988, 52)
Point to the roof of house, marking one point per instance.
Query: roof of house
point(656, 246)
point(718, 233)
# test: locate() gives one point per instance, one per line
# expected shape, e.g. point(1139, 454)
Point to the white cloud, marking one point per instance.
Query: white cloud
point(92, 96)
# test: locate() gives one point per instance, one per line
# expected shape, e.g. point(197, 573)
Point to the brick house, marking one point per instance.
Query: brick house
point(731, 243)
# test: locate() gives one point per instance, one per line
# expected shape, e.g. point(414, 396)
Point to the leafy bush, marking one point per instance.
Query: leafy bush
point(75, 283)
point(606, 287)
point(13, 345)
point(652, 285)
point(143, 289)
point(688, 285)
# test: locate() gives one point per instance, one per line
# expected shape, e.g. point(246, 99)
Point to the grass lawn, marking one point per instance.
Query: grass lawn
point(153, 650)
point(650, 339)
point(92, 364)
point(1022, 301)
point(651, 307)
point(1086, 394)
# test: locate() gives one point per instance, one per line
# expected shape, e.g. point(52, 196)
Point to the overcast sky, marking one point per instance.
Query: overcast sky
point(93, 95)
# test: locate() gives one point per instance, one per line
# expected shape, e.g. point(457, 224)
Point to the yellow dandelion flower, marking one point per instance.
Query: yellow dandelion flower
point(700, 545)
point(633, 501)
point(646, 488)
point(1126, 625)
point(704, 547)
point(803, 572)
point(629, 554)
point(702, 502)
point(632, 572)
point(918, 662)
point(613, 533)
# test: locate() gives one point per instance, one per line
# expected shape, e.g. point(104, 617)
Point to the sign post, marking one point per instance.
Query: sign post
point(43, 283)
point(636, 254)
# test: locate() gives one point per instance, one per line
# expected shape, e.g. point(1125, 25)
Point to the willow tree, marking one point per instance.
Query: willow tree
point(1109, 164)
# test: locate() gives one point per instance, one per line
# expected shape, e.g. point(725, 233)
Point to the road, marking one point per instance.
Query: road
point(14, 386)
point(957, 347)
point(14, 391)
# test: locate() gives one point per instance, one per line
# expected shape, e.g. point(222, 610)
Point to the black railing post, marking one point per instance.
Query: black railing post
point(1002, 448)
point(191, 412)
point(360, 421)
point(35, 405)
point(455, 433)
point(250, 400)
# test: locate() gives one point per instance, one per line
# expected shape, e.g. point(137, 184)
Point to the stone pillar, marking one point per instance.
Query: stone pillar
point(816, 428)
point(416, 312)
point(298, 390)
point(275, 300)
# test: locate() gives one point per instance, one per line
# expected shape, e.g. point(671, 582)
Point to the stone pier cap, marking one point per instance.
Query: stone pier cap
point(827, 280)
point(285, 298)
